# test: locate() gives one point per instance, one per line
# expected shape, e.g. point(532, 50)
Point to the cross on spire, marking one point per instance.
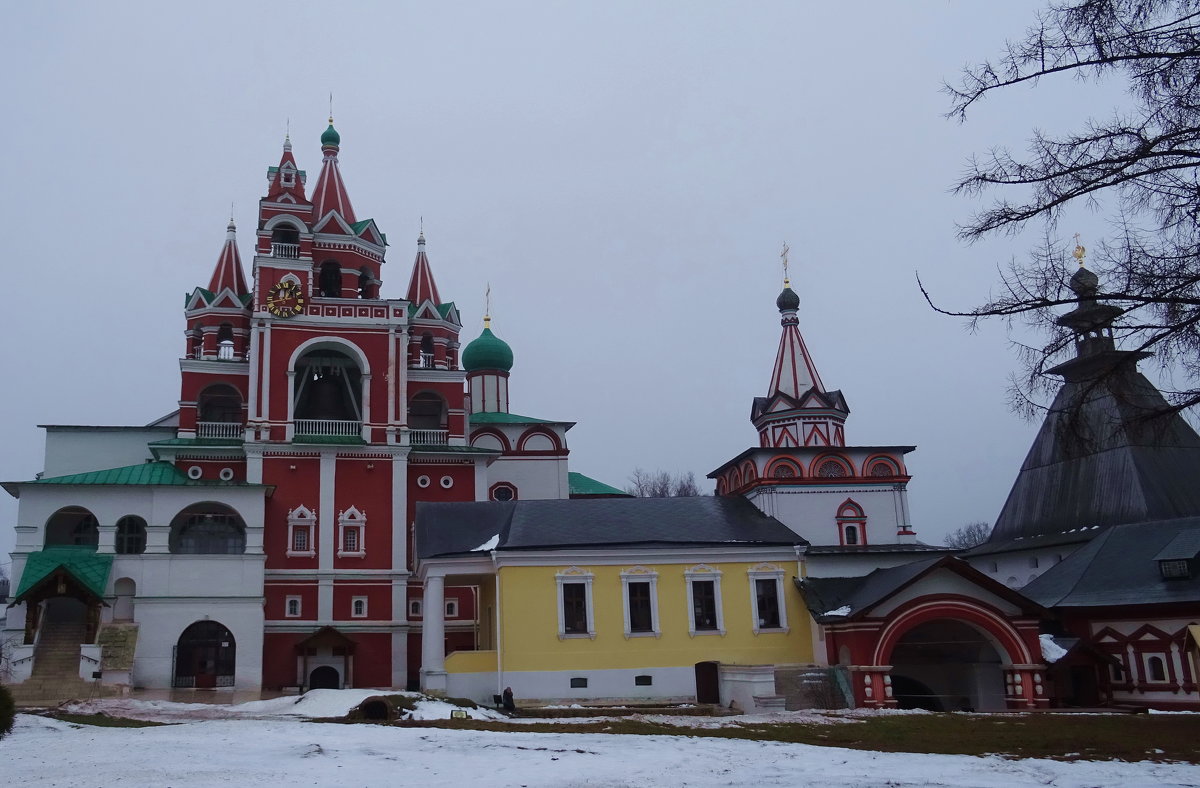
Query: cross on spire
point(783, 255)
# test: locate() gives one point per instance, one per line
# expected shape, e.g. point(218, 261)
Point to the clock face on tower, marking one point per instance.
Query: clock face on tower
point(285, 299)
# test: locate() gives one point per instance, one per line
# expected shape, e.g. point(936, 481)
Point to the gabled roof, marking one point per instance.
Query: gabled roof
point(1110, 451)
point(444, 529)
point(330, 192)
point(421, 287)
point(585, 486)
point(1120, 567)
point(89, 568)
point(834, 600)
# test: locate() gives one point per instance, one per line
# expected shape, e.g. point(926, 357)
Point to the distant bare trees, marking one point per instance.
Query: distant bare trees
point(969, 535)
point(660, 484)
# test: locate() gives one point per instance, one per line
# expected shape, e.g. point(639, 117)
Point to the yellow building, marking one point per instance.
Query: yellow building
point(687, 599)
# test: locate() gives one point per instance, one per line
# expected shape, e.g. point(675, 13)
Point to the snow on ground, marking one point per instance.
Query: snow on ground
point(281, 751)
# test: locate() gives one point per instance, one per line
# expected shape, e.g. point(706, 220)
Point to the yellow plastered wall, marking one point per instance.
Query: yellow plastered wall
point(529, 622)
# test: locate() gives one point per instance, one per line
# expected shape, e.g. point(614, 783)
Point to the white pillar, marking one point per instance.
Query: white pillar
point(433, 636)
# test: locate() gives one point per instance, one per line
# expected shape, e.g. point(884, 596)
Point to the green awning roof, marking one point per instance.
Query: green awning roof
point(84, 564)
point(578, 484)
point(147, 473)
point(507, 418)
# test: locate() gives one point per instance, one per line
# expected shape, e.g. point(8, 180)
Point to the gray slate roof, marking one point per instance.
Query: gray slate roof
point(444, 529)
point(1112, 463)
point(1119, 567)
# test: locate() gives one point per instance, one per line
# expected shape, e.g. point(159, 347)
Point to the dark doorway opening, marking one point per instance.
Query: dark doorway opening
point(708, 685)
point(205, 656)
point(324, 677)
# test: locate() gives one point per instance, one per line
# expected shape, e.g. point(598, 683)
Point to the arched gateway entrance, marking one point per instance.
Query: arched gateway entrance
point(946, 665)
point(205, 657)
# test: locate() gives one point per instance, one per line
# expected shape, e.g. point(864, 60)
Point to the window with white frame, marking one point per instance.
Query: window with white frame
point(291, 607)
point(1156, 668)
point(766, 599)
point(302, 526)
point(358, 607)
point(639, 593)
point(705, 616)
point(414, 608)
point(352, 533)
point(575, 617)
point(451, 608)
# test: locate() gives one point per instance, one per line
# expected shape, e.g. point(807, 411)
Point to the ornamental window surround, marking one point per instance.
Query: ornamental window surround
point(639, 601)
point(705, 614)
point(292, 607)
point(302, 526)
point(352, 533)
point(358, 607)
point(766, 599)
point(575, 612)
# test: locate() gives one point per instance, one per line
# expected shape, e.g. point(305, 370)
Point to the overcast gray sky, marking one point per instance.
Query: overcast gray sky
point(623, 173)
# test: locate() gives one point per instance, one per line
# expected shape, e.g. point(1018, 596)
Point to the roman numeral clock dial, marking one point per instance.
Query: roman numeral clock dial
point(285, 299)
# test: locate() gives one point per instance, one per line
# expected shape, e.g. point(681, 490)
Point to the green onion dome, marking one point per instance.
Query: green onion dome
point(487, 351)
point(788, 300)
point(330, 135)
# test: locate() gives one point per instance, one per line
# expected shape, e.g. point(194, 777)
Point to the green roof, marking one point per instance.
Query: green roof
point(148, 473)
point(82, 563)
point(490, 417)
point(487, 351)
point(441, 448)
point(578, 484)
point(444, 309)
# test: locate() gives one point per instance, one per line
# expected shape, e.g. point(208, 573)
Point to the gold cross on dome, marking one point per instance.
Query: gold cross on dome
point(783, 255)
point(1080, 251)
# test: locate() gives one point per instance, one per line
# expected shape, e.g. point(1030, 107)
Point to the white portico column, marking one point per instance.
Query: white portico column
point(433, 636)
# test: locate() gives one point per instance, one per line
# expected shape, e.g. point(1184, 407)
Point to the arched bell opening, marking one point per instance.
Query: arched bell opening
point(328, 388)
point(72, 526)
point(329, 280)
point(428, 418)
point(219, 412)
point(948, 665)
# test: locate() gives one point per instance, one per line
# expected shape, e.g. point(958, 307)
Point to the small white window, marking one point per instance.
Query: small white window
point(292, 607)
point(422, 482)
point(451, 608)
point(705, 616)
point(575, 616)
point(414, 608)
point(358, 607)
point(447, 482)
point(767, 600)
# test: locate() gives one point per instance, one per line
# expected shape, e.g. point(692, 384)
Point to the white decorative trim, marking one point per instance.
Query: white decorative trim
point(451, 608)
point(415, 608)
point(640, 574)
point(572, 575)
point(354, 605)
point(195, 472)
point(447, 482)
point(293, 601)
point(352, 524)
point(226, 474)
point(422, 481)
point(767, 572)
point(301, 518)
point(701, 573)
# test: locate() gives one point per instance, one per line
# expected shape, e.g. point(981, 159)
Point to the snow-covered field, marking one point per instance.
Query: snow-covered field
point(270, 743)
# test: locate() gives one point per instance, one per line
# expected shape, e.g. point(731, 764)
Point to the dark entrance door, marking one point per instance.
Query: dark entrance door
point(324, 677)
point(708, 688)
point(205, 656)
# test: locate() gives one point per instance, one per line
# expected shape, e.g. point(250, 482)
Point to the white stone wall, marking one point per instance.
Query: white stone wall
point(1018, 569)
point(76, 451)
point(613, 685)
point(811, 510)
point(536, 478)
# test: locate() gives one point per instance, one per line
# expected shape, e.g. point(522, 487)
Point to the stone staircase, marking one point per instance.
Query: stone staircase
point(55, 676)
point(808, 687)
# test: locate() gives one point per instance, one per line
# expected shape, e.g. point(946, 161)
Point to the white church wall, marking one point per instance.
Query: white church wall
point(811, 511)
point(80, 449)
point(536, 478)
point(1018, 569)
point(162, 620)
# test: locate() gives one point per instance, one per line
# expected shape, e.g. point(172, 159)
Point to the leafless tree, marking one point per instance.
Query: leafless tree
point(660, 484)
point(969, 535)
point(1140, 164)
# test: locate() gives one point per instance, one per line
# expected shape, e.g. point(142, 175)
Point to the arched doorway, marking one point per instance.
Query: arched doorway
point(205, 656)
point(124, 589)
point(947, 665)
point(324, 677)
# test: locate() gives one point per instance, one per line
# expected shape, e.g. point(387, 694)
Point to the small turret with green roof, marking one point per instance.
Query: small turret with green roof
point(487, 351)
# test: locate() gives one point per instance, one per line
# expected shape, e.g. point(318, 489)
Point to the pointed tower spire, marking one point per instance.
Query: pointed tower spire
point(794, 373)
point(228, 273)
point(421, 287)
point(330, 192)
point(287, 178)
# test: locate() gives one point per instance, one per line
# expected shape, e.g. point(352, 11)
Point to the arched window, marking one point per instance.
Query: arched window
point(883, 468)
point(852, 523)
point(205, 656)
point(328, 387)
point(1157, 669)
point(330, 280)
point(208, 529)
point(426, 351)
point(427, 411)
point(72, 526)
point(131, 535)
point(225, 342)
point(851, 532)
point(784, 471)
point(832, 469)
point(285, 234)
point(368, 285)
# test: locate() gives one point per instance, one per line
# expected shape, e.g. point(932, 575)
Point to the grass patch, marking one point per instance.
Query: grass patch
point(101, 720)
point(1061, 737)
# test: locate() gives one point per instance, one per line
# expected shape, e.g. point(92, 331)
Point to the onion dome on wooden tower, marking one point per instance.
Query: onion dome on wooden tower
point(330, 192)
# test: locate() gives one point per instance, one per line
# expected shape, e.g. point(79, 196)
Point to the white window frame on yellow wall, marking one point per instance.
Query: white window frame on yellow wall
point(640, 574)
point(704, 572)
point(572, 575)
point(767, 572)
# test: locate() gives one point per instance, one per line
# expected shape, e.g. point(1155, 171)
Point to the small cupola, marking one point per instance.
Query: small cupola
point(487, 351)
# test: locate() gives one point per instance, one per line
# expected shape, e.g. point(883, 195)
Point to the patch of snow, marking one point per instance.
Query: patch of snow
point(490, 544)
point(1051, 651)
point(844, 610)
